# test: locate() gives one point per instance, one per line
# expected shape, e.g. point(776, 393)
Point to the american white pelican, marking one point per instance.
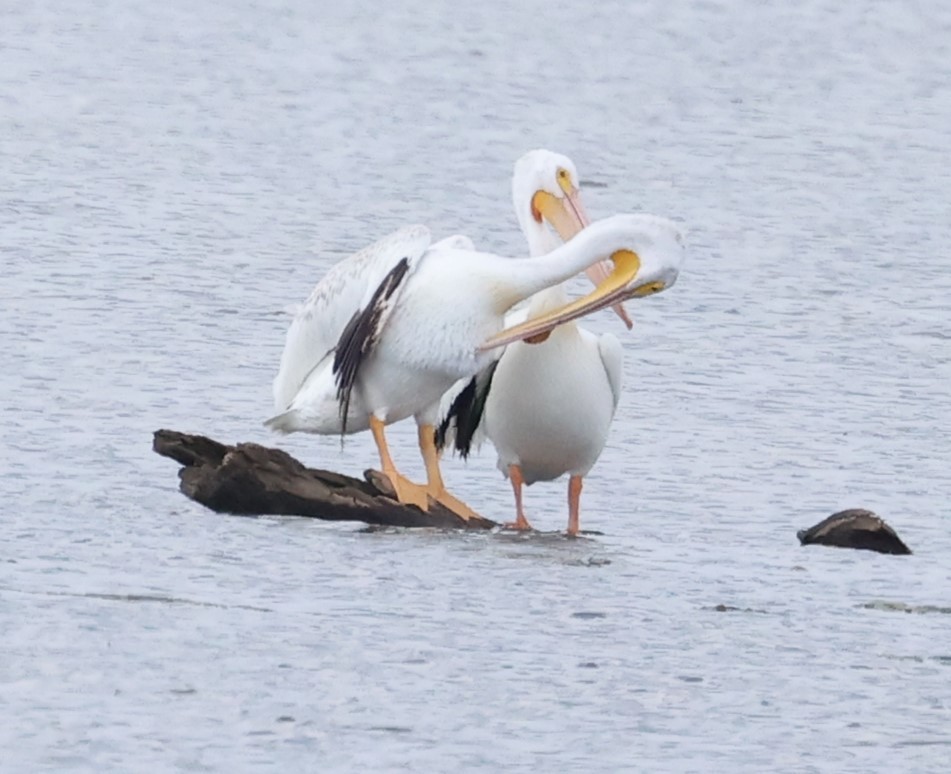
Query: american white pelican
point(546, 406)
point(388, 330)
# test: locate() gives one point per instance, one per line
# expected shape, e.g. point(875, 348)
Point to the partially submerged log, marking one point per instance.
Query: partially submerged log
point(854, 528)
point(252, 480)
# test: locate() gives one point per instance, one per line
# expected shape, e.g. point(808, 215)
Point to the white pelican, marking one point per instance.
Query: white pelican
point(546, 406)
point(390, 329)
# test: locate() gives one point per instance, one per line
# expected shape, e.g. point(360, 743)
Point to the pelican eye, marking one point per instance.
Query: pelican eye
point(564, 179)
point(649, 289)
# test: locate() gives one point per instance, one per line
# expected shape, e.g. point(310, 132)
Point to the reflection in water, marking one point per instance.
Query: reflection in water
point(137, 598)
point(902, 607)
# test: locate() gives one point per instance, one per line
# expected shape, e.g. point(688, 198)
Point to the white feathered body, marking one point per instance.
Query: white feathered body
point(428, 333)
point(550, 405)
point(393, 327)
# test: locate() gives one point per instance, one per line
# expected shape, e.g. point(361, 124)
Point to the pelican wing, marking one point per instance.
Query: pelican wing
point(612, 357)
point(347, 310)
point(363, 331)
point(461, 409)
point(456, 242)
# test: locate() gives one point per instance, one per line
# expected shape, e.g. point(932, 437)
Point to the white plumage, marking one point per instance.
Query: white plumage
point(346, 288)
point(551, 405)
point(390, 329)
point(547, 407)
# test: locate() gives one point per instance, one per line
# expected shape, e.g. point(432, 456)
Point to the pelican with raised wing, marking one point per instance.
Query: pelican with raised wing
point(390, 329)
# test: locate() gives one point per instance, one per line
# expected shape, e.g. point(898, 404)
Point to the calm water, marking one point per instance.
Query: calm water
point(175, 174)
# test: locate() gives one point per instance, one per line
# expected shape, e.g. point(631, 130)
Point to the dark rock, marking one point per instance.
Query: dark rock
point(902, 607)
point(854, 528)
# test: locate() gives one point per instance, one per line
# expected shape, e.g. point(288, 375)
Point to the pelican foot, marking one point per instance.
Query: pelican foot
point(408, 492)
point(521, 524)
point(455, 505)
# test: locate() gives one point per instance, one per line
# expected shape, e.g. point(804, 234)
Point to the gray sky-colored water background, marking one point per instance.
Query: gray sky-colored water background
point(175, 174)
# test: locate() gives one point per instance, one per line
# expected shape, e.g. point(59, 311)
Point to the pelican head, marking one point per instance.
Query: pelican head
point(546, 189)
point(645, 253)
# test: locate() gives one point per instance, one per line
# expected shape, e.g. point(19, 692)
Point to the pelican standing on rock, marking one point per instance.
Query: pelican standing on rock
point(390, 329)
point(546, 406)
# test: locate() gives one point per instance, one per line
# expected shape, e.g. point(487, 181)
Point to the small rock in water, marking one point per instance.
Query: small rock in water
point(854, 528)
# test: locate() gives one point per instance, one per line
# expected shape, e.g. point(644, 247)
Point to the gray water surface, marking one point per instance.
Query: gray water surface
point(176, 174)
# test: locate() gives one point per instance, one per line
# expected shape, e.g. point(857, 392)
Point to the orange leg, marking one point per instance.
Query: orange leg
point(520, 523)
point(434, 483)
point(574, 501)
point(407, 492)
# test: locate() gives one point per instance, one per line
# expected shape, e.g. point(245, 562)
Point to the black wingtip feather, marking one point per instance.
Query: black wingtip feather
point(466, 413)
point(360, 336)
